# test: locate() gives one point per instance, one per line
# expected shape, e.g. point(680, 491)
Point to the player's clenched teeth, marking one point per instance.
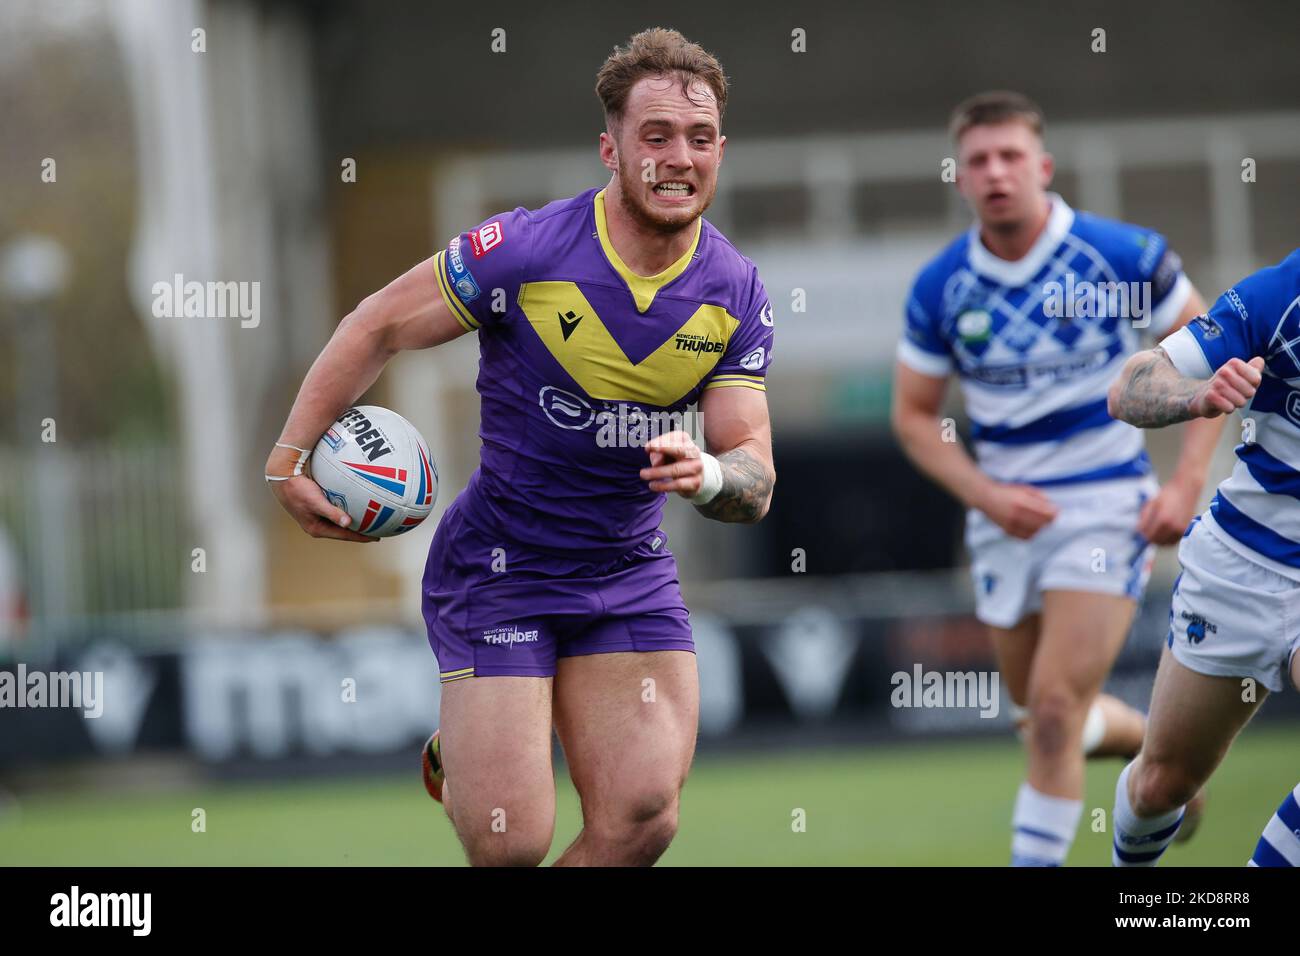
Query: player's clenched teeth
point(674, 189)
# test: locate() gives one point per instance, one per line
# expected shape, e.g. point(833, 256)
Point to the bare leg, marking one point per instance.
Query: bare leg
point(1014, 649)
point(627, 722)
point(1082, 634)
point(1194, 720)
point(496, 747)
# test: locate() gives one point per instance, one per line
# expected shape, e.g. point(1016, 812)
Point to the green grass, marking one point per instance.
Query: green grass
point(918, 805)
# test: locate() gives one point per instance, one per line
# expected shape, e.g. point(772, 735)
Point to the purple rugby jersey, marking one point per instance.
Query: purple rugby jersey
point(573, 348)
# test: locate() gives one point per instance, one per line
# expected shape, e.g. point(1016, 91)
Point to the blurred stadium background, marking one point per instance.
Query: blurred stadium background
point(135, 149)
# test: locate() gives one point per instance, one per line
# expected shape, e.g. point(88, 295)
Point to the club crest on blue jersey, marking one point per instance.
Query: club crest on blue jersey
point(974, 325)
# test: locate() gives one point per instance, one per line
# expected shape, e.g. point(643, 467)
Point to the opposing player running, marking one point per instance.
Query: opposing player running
point(550, 595)
point(1279, 844)
point(1234, 625)
point(1035, 310)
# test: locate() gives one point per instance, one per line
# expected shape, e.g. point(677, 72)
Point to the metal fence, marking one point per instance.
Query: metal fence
point(98, 536)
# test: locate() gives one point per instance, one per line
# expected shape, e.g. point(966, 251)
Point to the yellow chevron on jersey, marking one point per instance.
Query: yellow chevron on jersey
point(593, 359)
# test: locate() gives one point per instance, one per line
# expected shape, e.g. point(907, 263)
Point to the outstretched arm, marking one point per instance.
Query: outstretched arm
point(408, 313)
point(737, 430)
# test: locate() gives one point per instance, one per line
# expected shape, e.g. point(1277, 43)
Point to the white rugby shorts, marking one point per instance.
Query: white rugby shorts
point(1231, 617)
point(1091, 545)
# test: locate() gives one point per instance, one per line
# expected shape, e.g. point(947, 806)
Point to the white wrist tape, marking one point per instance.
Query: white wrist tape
point(712, 480)
point(303, 455)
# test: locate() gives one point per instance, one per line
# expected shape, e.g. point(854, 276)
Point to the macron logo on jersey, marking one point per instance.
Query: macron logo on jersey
point(484, 240)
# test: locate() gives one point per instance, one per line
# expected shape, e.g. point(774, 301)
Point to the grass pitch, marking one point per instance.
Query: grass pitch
point(908, 805)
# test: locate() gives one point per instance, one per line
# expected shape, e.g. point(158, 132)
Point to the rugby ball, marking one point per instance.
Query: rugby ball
point(374, 465)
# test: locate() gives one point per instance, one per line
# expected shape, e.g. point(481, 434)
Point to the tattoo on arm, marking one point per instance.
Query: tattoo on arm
point(746, 488)
point(1156, 394)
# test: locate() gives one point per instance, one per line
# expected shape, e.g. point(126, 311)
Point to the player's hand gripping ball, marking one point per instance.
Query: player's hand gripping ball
point(373, 464)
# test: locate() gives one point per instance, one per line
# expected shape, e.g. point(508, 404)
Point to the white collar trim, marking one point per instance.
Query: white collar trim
point(1019, 271)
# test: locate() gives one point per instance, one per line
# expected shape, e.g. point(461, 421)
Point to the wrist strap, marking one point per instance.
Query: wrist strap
point(712, 480)
point(303, 455)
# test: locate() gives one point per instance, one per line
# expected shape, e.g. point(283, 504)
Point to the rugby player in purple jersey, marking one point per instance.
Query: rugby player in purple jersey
point(550, 595)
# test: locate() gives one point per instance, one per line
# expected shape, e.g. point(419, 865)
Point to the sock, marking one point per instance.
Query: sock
point(1018, 715)
point(1042, 828)
point(1094, 728)
point(1139, 841)
point(1280, 843)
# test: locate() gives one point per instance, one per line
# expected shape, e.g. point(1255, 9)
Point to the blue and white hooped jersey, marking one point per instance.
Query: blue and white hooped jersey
point(1255, 511)
point(1037, 342)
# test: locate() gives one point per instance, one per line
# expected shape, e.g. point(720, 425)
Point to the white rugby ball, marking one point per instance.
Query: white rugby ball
point(374, 465)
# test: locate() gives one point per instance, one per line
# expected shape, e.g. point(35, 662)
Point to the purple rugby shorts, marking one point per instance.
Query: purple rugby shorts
point(494, 608)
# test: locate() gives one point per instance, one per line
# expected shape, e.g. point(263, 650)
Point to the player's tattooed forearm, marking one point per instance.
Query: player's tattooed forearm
point(1155, 394)
point(746, 488)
